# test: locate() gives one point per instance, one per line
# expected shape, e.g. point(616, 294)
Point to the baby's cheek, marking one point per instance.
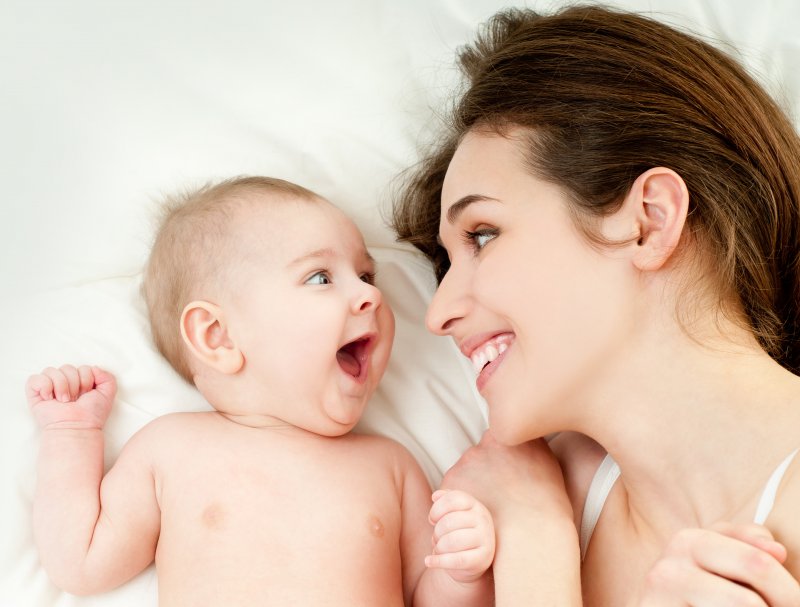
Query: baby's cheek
point(386, 339)
point(386, 322)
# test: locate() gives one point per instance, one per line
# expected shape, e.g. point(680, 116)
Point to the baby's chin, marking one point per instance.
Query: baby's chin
point(344, 413)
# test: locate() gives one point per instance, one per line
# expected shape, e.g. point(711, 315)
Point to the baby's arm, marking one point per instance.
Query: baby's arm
point(458, 572)
point(93, 533)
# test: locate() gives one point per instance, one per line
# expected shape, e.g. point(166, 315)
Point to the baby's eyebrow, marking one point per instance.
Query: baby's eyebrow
point(317, 254)
point(326, 253)
point(462, 203)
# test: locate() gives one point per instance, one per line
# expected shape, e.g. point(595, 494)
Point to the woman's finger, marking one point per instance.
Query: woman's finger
point(674, 582)
point(748, 565)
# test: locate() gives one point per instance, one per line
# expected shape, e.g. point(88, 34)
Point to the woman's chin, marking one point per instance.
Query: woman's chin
point(507, 434)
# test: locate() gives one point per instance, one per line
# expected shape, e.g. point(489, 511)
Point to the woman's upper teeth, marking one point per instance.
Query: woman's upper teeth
point(487, 353)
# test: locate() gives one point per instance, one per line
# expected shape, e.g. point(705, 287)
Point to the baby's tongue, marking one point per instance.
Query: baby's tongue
point(348, 363)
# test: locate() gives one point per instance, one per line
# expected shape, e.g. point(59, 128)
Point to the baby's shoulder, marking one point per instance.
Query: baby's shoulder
point(380, 446)
point(168, 429)
point(383, 451)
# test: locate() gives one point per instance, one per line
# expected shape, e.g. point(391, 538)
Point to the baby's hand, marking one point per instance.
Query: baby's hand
point(463, 535)
point(70, 397)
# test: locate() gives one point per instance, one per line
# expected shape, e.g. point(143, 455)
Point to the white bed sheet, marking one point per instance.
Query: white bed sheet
point(106, 105)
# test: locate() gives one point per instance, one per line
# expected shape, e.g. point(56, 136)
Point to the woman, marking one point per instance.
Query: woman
point(614, 220)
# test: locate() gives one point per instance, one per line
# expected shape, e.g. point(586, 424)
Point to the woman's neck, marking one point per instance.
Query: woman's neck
point(695, 428)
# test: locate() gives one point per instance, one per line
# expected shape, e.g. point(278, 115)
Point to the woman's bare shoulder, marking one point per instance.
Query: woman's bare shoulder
point(783, 522)
point(579, 456)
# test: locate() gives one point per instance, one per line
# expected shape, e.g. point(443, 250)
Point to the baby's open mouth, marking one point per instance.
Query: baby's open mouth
point(352, 357)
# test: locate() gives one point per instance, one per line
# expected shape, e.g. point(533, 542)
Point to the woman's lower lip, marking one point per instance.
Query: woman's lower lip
point(487, 372)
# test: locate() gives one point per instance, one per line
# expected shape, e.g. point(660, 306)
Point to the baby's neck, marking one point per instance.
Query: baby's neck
point(255, 420)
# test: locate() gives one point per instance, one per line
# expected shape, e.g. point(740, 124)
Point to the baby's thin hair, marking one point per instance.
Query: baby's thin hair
point(189, 251)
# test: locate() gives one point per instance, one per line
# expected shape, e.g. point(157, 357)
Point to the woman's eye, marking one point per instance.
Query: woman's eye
point(480, 238)
point(320, 278)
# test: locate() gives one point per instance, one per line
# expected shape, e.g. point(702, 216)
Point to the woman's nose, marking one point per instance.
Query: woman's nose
point(449, 304)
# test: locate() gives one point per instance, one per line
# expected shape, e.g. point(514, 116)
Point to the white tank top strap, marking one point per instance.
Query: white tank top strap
point(608, 473)
point(767, 501)
point(602, 482)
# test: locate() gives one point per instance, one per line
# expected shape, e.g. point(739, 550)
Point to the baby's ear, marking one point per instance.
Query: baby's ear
point(206, 336)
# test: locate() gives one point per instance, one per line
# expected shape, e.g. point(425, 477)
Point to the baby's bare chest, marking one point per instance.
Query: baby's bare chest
point(274, 493)
point(277, 510)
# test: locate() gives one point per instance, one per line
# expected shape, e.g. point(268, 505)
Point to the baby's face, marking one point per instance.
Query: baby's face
point(314, 330)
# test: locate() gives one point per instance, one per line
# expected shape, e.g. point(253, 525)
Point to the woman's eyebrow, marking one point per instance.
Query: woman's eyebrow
point(462, 203)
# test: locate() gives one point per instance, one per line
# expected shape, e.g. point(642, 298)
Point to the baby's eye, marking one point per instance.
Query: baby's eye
point(368, 277)
point(319, 278)
point(480, 238)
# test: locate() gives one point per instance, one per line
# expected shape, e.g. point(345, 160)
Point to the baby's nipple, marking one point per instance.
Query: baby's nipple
point(375, 526)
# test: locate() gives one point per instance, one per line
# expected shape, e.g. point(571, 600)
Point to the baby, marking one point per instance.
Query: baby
point(261, 293)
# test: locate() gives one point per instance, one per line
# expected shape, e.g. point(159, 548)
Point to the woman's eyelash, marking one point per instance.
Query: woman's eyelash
point(477, 239)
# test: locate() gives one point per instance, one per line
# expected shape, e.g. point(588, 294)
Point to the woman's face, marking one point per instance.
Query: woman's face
point(538, 310)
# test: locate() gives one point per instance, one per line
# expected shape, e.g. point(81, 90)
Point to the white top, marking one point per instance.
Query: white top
point(608, 473)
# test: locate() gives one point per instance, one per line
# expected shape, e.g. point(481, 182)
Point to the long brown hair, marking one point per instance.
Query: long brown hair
point(607, 95)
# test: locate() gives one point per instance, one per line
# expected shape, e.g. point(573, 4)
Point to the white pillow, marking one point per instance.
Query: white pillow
point(107, 105)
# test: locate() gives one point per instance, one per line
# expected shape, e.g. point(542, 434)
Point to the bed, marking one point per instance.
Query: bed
point(107, 106)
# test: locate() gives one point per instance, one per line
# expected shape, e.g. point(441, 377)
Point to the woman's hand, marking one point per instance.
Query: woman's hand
point(537, 559)
point(524, 478)
point(725, 565)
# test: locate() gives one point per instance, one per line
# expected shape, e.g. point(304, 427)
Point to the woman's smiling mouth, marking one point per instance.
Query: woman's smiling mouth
point(487, 355)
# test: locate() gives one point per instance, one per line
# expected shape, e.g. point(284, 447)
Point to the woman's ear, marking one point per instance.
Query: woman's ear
point(206, 336)
point(658, 204)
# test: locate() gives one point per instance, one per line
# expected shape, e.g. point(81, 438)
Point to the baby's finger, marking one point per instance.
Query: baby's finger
point(457, 541)
point(454, 560)
point(104, 383)
point(86, 378)
point(460, 519)
point(449, 501)
point(38, 388)
point(73, 380)
point(60, 384)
